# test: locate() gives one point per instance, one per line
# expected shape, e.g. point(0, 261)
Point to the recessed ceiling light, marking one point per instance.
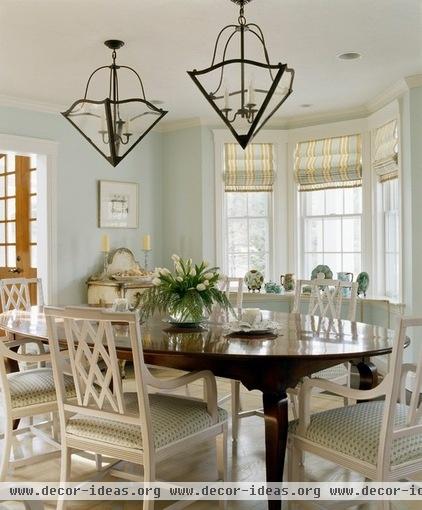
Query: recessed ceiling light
point(350, 55)
point(305, 105)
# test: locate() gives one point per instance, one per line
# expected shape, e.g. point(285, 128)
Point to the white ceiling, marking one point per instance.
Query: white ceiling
point(48, 48)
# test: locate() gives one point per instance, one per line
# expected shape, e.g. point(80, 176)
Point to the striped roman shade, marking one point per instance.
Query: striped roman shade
point(385, 161)
point(329, 163)
point(251, 169)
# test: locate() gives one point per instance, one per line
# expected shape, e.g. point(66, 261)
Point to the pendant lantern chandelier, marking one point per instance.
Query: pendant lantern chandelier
point(244, 92)
point(112, 125)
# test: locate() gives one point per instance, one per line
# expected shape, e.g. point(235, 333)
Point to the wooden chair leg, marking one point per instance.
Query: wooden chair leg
point(149, 476)
point(7, 447)
point(235, 408)
point(65, 467)
point(221, 450)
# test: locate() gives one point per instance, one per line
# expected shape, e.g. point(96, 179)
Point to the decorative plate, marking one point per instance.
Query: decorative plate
point(325, 270)
point(260, 328)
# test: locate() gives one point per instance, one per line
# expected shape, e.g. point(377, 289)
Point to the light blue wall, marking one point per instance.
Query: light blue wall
point(79, 169)
point(182, 194)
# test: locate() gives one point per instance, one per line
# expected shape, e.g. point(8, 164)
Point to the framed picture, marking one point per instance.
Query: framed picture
point(118, 204)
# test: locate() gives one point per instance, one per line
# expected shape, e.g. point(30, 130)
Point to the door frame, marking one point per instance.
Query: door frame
point(47, 156)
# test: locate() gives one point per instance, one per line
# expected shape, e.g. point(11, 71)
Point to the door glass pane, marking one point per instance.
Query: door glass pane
point(11, 256)
point(33, 231)
point(2, 210)
point(11, 188)
point(11, 208)
point(33, 161)
point(10, 163)
point(2, 186)
point(33, 186)
point(2, 164)
point(2, 232)
point(33, 212)
point(2, 256)
point(11, 232)
point(34, 256)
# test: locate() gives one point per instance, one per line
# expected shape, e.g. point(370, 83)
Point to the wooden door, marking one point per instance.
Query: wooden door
point(18, 213)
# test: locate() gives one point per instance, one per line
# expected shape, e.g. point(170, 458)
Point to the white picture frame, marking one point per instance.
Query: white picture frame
point(118, 204)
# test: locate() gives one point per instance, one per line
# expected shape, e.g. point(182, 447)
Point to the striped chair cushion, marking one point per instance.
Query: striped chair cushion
point(173, 418)
point(354, 430)
point(35, 386)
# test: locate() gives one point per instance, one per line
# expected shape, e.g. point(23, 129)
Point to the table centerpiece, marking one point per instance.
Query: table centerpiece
point(187, 294)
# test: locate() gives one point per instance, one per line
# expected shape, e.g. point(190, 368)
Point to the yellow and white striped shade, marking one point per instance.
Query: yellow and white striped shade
point(385, 161)
point(329, 163)
point(251, 169)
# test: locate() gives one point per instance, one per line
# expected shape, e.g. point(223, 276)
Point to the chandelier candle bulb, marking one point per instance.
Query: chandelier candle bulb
point(105, 243)
point(226, 100)
point(146, 242)
point(251, 94)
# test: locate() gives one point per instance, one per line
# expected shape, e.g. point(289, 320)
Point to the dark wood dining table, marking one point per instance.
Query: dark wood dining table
point(302, 346)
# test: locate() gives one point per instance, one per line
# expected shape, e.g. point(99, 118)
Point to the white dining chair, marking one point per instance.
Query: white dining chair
point(380, 438)
point(26, 394)
point(325, 298)
point(15, 294)
point(143, 429)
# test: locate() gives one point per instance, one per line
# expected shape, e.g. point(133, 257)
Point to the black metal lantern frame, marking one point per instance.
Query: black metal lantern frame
point(254, 116)
point(108, 124)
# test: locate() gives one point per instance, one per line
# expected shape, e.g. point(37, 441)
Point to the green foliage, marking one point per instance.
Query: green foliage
point(186, 293)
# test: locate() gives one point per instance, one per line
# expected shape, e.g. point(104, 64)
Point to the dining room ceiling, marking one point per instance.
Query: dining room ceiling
point(48, 48)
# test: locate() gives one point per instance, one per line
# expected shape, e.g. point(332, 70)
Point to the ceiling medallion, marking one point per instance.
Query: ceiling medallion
point(244, 92)
point(112, 125)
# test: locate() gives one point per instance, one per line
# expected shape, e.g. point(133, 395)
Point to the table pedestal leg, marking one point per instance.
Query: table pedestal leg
point(368, 374)
point(276, 427)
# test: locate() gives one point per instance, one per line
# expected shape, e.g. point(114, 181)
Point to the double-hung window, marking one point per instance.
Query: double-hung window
point(385, 165)
point(247, 203)
point(328, 173)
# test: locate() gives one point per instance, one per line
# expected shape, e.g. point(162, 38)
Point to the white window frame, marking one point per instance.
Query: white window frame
point(389, 113)
point(357, 126)
point(280, 210)
point(302, 219)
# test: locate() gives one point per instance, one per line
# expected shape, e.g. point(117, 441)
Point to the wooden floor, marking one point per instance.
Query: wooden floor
point(246, 462)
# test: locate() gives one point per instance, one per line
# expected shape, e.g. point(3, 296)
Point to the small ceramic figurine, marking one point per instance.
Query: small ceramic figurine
point(288, 281)
point(363, 283)
point(254, 280)
point(272, 288)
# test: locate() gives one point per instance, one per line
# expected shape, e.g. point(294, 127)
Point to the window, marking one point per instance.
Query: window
point(390, 207)
point(248, 227)
point(332, 224)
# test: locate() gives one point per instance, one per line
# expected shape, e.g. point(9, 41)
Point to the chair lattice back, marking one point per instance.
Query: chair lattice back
point(15, 293)
point(326, 297)
point(395, 384)
point(90, 342)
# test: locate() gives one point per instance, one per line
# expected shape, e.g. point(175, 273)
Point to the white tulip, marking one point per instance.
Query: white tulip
point(178, 268)
point(208, 276)
point(206, 283)
point(179, 278)
point(206, 263)
point(156, 281)
point(200, 287)
point(192, 272)
point(164, 271)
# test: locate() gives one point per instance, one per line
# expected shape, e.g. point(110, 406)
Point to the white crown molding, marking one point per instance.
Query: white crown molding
point(414, 81)
point(375, 104)
point(30, 104)
point(176, 125)
point(387, 96)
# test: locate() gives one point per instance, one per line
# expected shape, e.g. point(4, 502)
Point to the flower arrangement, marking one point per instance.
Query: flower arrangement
point(186, 293)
